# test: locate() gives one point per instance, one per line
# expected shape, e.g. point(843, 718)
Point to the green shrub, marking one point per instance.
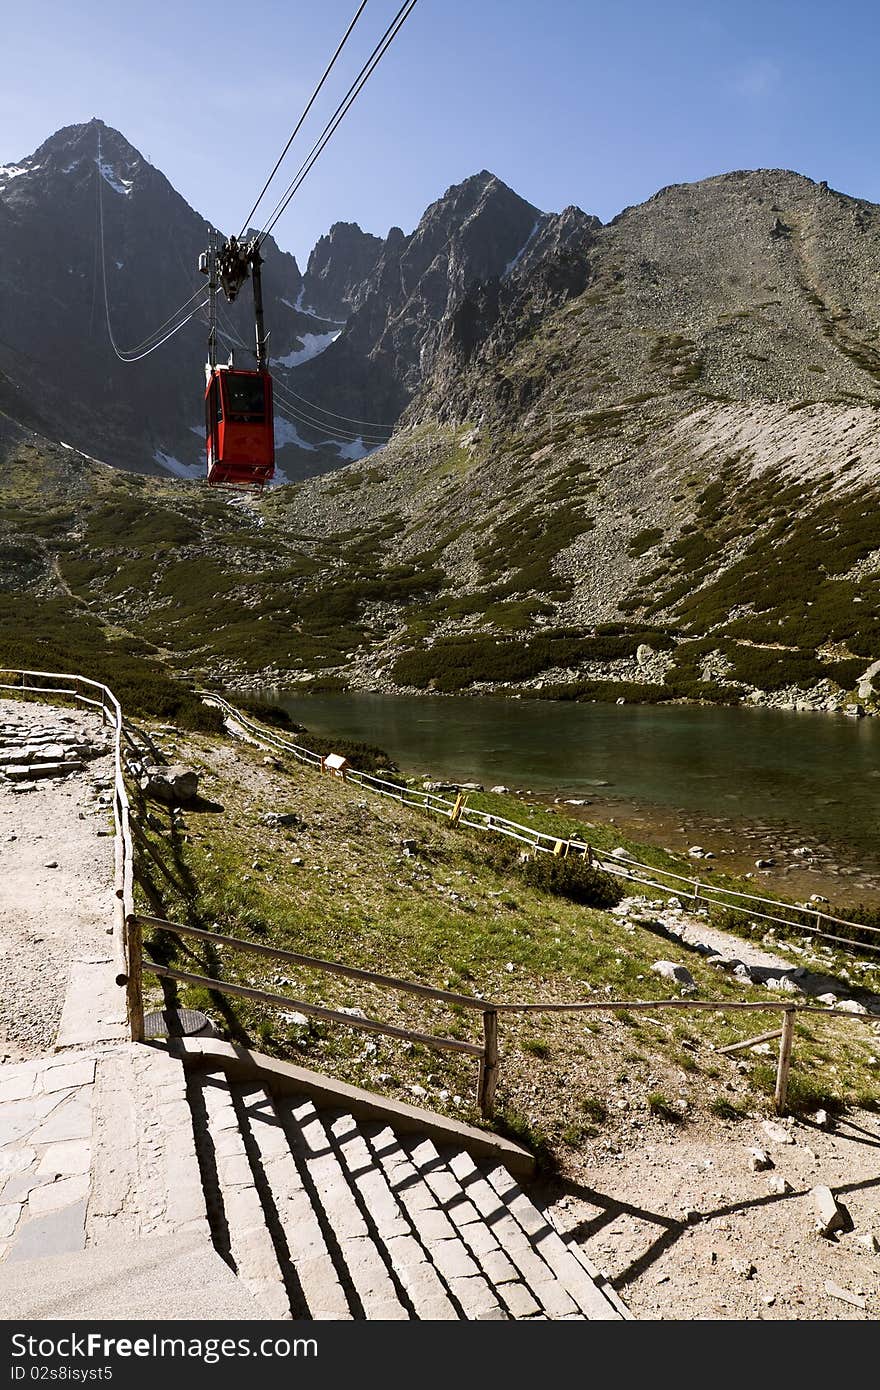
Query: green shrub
point(571, 877)
point(265, 712)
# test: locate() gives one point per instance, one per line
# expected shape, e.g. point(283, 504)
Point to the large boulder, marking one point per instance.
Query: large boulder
point(670, 971)
point(174, 785)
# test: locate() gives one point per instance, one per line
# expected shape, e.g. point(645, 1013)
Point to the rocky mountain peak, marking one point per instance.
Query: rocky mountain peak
point(339, 264)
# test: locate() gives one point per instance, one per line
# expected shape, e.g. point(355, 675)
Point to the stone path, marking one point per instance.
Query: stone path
point(114, 1157)
point(56, 868)
point(749, 961)
point(96, 1147)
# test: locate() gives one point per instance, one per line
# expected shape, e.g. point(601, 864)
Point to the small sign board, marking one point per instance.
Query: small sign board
point(336, 763)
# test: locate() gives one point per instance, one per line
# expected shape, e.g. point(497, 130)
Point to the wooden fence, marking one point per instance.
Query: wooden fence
point(487, 1051)
point(131, 962)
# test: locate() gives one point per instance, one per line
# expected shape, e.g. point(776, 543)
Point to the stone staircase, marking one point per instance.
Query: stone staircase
point(38, 743)
point(327, 1217)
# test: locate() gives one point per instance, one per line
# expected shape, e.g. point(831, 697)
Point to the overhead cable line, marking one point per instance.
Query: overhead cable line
point(306, 111)
point(232, 337)
point(349, 419)
point(354, 90)
point(323, 425)
point(282, 392)
point(155, 339)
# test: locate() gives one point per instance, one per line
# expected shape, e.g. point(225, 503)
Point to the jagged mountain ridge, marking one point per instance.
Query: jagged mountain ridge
point(673, 432)
point(349, 340)
point(643, 460)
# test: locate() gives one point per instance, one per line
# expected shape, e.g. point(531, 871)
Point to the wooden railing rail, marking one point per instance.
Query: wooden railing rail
point(490, 1010)
point(332, 967)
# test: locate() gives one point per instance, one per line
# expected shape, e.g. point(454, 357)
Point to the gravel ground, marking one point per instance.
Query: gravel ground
point(686, 1230)
point(50, 915)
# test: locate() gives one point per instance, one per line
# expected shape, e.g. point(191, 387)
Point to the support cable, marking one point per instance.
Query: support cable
point(354, 90)
point(282, 389)
point(306, 111)
point(135, 354)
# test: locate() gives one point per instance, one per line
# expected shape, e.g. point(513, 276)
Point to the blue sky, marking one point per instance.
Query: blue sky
point(568, 101)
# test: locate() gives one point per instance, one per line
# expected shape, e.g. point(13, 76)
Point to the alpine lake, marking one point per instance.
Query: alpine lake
point(745, 783)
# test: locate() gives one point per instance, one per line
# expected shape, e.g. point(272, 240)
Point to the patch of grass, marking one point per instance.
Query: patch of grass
point(725, 1110)
point(661, 1108)
point(645, 540)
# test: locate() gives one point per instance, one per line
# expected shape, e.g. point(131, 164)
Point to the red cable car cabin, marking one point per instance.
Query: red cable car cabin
point(239, 427)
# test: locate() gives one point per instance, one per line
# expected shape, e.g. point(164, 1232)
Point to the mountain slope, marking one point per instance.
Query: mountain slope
point(643, 464)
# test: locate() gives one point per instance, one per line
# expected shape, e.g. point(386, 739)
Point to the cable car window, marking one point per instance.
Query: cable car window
point(245, 397)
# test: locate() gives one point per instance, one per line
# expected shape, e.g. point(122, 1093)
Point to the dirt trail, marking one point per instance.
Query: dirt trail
point(56, 872)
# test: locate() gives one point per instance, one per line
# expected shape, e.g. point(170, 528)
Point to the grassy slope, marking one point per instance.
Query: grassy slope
point(454, 914)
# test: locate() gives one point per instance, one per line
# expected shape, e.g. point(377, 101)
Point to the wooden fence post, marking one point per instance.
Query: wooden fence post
point(134, 995)
point(488, 1064)
point(785, 1043)
point(696, 892)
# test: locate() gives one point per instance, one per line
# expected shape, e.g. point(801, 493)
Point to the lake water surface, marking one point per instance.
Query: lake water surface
point(811, 776)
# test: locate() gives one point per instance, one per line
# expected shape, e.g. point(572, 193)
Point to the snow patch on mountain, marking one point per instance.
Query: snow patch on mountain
point(313, 344)
point(287, 433)
point(353, 451)
point(116, 182)
point(511, 265)
point(176, 468)
point(8, 172)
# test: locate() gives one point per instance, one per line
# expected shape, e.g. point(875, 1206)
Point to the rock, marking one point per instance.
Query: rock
point(782, 984)
point(835, 1291)
point(744, 1268)
point(409, 847)
point(278, 818)
point(172, 784)
point(696, 851)
point(777, 1134)
point(830, 999)
point(51, 864)
point(503, 791)
point(829, 1217)
point(762, 1049)
point(759, 1160)
point(851, 1006)
point(778, 1185)
point(869, 1240)
point(765, 863)
point(854, 711)
point(470, 786)
point(670, 971)
point(821, 1119)
point(802, 852)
